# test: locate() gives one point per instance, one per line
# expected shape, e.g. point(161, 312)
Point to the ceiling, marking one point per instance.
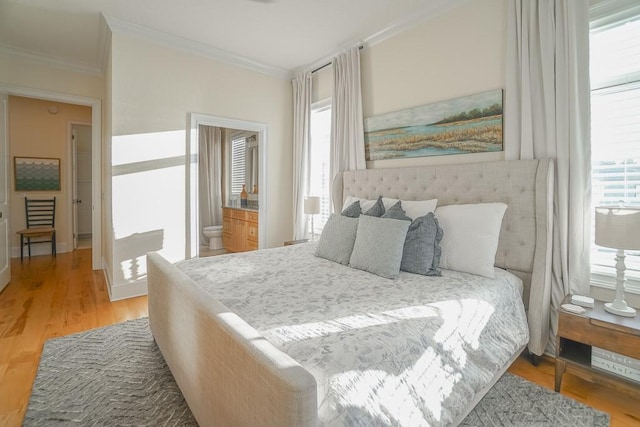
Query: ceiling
point(277, 36)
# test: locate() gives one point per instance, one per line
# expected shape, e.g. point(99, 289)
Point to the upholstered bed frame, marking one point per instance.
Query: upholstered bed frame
point(230, 375)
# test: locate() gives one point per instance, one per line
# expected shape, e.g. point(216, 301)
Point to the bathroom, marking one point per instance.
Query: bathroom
point(228, 186)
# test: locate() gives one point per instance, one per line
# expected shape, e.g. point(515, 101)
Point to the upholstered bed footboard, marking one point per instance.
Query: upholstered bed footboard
point(228, 373)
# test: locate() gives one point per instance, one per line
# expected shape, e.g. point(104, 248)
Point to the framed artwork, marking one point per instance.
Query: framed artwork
point(36, 174)
point(470, 124)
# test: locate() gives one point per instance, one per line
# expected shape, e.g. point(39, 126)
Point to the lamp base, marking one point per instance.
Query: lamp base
point(624, 310)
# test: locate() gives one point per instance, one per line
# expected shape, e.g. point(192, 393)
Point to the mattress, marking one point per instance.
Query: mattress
point(411, 351)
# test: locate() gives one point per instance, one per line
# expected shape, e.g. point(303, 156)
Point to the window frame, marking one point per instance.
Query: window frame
point(320, 219)
point(607, 15)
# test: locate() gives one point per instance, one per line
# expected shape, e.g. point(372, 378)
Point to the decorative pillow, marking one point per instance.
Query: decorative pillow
point(421, 254)
point(396, 212)
point(337, 239)
point(379, 244)
point(413, 208)
point(471, 234)
point(353, 210)
point(376, 210)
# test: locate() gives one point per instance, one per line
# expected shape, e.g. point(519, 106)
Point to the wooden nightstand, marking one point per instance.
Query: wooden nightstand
point(295, 242)
point(577, 333)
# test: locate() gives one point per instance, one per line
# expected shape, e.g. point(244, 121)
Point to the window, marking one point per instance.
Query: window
point(615, 124)
point(319, 179)
point(238, 151)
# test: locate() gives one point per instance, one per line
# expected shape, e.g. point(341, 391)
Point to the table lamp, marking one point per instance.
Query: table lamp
point(618, 228)
point(312, 207)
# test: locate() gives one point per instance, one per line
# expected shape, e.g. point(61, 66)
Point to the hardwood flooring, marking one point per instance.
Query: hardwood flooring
point(51, 297)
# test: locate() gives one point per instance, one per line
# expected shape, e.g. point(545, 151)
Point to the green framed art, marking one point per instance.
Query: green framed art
point(36, 174)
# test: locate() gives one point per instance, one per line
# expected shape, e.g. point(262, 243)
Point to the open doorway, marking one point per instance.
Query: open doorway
point(81, 185)
point(235, 128)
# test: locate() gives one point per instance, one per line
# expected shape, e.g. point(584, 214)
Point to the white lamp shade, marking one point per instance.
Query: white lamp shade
point(312, 205)
point(618, 227)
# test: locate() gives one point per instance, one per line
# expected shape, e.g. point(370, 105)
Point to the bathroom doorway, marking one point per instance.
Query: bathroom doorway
point(225, 132)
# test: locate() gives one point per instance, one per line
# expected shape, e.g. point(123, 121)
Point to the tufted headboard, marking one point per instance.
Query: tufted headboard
point(526, 186)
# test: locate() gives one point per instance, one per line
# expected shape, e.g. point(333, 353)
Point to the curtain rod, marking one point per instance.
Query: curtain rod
point(330, 62)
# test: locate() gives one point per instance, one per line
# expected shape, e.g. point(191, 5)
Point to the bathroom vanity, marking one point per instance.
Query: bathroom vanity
point(239, 229)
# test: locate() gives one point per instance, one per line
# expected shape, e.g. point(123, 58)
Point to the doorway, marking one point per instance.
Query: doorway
point(81, 185)
point(96, 120)
point(193, 221)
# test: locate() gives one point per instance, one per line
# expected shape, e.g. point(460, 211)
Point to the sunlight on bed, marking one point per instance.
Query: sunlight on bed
point(396, 399)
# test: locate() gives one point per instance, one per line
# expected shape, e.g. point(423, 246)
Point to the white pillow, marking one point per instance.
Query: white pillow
point(412, 208)
point(365, 204)
point(470, 238)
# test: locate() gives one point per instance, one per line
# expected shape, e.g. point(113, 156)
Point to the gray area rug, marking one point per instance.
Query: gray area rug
point(116, 376)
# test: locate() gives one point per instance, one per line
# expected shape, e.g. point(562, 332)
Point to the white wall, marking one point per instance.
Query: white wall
point(458, 53)
point(153, 88)
point(16, 71)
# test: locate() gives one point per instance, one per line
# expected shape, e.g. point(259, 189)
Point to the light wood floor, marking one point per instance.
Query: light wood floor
point(50, 297)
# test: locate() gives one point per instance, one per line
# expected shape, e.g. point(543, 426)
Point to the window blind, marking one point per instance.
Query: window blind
point(238, 151)
point(615, 124)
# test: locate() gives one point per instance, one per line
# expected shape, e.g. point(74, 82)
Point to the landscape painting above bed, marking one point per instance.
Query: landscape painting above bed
point(470, 124)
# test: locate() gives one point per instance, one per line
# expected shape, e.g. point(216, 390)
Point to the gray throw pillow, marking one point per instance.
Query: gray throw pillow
point(396, 212)
point(377, 209)
point(337, 239)
point(353, 210)
point(378, 246)
point(422, 251)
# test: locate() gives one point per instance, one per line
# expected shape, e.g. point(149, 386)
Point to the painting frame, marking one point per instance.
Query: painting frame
point(462, 125)
point(36, 173)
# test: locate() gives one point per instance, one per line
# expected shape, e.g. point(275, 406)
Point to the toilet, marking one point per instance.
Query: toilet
point(214, 233)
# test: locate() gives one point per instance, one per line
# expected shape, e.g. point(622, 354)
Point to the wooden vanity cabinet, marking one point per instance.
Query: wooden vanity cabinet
point(239, 229)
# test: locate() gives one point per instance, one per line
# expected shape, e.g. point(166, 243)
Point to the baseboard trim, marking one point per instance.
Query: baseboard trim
point(128, 290)
point(40, 249)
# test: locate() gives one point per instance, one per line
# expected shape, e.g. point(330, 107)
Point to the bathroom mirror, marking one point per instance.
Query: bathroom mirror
point(242, 162)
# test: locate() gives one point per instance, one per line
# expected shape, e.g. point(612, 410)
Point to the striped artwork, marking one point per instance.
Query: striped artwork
point(37, 174)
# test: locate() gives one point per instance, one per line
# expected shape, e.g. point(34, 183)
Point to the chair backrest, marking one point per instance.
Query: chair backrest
point(40, 212)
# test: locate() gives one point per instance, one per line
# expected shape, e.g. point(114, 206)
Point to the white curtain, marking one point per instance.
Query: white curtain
point(209, 178)
point(301, 139)
point(547, 115)
point(347, 128)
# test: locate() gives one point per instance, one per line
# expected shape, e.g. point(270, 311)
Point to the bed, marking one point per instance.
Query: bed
point(281, 337)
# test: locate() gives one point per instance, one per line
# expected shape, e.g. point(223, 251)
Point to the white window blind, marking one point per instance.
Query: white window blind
point(238, 151)
point(615, 124)
point(319, 179)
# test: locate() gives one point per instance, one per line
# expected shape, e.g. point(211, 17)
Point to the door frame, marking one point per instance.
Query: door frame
point(5, 221)
point(71, 184)
point(193, 221)
point(96, 153)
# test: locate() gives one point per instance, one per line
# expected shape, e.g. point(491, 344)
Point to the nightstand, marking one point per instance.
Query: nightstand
point(577, 333)
point(295, 242)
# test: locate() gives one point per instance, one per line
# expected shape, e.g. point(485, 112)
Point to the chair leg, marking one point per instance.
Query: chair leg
point(29, 245)
point(53, 244)
point(21, 247)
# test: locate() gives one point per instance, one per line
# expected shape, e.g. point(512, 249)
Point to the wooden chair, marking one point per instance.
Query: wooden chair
point(40, 216)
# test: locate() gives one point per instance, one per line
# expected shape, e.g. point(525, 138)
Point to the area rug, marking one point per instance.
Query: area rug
point(116, 376)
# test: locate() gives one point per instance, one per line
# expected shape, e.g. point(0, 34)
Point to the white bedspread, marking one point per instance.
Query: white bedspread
point(412, 351)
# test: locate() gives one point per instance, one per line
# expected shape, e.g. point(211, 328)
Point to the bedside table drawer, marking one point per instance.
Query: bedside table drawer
point(598, 333)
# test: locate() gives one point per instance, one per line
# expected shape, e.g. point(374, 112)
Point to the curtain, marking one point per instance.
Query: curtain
point(301, 139)
point(209, 178)
point(347, 128)
point(547, 115)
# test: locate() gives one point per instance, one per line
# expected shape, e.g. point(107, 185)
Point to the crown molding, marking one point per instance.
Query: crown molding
point(118, 25)
point(431, 11)
point(104, 43)
point(50, 61)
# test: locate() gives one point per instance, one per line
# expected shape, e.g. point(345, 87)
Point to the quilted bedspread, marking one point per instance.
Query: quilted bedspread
point(412, 351)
